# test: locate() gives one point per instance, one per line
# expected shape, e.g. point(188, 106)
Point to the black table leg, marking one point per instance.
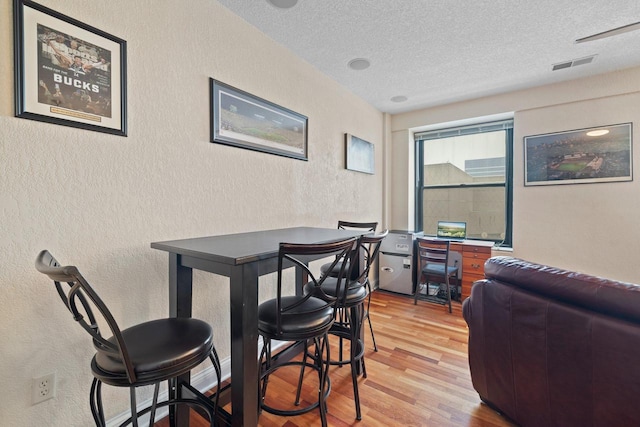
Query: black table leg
point(244, 344)
point(180, 287)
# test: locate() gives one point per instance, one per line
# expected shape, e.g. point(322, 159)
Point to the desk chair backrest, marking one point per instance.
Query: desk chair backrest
point(433, 253)
point(299, 255)
point(79, 300)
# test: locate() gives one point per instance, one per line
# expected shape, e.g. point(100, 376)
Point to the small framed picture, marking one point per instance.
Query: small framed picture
point(360, 154)
point(67, 72)
point(243, 120)
point(598, 154)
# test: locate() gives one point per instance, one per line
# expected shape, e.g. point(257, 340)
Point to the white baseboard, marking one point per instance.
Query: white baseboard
point(203, 380)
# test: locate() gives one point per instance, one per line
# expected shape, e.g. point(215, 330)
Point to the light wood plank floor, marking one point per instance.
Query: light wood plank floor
point(419, 376)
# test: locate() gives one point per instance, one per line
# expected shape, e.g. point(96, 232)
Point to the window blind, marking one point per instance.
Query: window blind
point(464, 130)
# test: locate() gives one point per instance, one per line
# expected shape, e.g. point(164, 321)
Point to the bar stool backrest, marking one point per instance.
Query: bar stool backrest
point(79, 300)
point(347, 225)
point(367, 253)
point(299, 255)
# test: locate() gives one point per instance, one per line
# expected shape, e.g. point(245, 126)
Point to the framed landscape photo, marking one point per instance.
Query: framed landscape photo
point(360, 154)
point(67, 72)
point(598, 154)
point(243, 120)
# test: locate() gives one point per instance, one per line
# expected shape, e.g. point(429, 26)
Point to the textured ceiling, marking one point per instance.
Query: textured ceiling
point(440, 51)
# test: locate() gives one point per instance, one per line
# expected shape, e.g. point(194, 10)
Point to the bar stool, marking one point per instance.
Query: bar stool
point(301, 318)
point(350, 309)
point(145, 354)
point(347, 225)
point(365, 226)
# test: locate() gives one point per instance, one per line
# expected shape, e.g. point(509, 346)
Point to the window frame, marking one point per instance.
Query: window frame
point(420, 186)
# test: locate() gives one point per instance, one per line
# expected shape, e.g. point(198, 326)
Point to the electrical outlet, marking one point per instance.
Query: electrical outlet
point(43, 388)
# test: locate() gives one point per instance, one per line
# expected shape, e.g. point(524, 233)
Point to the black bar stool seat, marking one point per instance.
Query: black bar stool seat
point(154, 360)
point(307, 319)
point(355, 294)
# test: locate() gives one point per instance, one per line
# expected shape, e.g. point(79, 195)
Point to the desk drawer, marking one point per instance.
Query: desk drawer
point(455, 247)
point(483, 252)
point(473, 265)
point(473, 259)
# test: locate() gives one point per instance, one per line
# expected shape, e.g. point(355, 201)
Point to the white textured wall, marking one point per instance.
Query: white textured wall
point(587, 227)
point(402, 177)
point(97, 201)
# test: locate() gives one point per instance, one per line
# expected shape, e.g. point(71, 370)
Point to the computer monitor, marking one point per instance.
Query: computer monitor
point(452, 230)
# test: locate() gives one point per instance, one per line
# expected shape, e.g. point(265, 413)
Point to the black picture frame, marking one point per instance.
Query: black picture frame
point(581, 156)
point(67, 72)
point(243, 120)
point(359, 154)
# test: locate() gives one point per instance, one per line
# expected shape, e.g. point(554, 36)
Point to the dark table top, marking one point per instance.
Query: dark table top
point(241, 248)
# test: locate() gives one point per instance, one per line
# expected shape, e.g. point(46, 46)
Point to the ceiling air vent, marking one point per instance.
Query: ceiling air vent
point(574, 63)
point(561, 65)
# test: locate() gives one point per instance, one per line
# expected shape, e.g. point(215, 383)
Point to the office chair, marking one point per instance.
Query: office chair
point(301, 318)
point(145, 354)
point(433, 257)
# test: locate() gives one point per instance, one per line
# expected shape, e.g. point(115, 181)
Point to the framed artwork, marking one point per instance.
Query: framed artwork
point(243, 120)
point(360, 154)
point(67, 72)
point(598, 154)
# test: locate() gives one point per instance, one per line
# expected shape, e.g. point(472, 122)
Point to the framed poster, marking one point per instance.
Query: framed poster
point(246, 121)
point(67, 72)
point(360, 154)
point(598, 154)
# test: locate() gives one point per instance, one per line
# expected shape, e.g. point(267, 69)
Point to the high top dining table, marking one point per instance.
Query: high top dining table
point(243, 258)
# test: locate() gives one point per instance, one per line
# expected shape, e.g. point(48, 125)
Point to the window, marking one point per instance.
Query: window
point(465, 174)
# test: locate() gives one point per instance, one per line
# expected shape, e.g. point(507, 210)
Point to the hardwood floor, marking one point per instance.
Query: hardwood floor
point(419, 376)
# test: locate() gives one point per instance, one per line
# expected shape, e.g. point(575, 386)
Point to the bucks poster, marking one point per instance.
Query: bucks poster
point(72, 71)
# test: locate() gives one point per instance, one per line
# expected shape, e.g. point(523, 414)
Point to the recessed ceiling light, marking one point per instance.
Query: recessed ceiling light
point(598, 132)
point(359, 64)
point(283, 4)
point(399, 98)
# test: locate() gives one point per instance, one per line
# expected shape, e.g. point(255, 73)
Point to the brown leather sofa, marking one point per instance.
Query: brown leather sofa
point(549, 347)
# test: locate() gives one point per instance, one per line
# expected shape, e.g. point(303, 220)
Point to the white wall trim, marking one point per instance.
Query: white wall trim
point(203, 380)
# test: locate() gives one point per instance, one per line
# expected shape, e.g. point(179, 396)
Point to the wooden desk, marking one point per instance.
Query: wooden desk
point(242, 258)
point(474, 254)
